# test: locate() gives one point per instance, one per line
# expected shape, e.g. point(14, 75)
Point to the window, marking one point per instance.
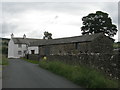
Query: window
point(32, 51)
point(76, 45)
point(19, 45)
point(19, 52)
point(25, 51)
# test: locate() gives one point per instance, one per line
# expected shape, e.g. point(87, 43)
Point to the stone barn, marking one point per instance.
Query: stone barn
point(96, 43)
point(94, 51)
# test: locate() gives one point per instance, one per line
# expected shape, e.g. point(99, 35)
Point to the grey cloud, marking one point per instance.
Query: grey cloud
point(112, 9)
point(15, 7)
point(8, 28)
point(64, 7)
point(119, 21)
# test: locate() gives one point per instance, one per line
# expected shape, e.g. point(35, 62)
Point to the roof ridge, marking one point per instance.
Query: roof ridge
point(25, 38)
point(78, 36)
point(82, 38)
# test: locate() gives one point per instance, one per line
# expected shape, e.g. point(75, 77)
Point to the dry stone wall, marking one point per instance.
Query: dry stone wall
point(107, 63)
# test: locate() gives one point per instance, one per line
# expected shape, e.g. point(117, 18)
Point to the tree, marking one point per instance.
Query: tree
point(98, 22)
point(4, 50)
point(47, 35)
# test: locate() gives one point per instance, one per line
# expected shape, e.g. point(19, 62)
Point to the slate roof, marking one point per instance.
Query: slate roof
point(24, 41)
point(83, 38)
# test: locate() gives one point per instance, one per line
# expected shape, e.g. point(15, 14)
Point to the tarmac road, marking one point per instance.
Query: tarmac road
point(22, 74)
point(0, 77)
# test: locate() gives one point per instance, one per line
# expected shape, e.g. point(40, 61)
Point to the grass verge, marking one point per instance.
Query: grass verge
point(31, 61)
point(3, 60)
point(81, 75)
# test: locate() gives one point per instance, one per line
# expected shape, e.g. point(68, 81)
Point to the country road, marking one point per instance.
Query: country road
point(22, 74)
point(0, 77)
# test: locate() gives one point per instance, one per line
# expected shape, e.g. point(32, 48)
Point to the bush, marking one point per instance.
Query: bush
point(3, 60)
point(81, 75)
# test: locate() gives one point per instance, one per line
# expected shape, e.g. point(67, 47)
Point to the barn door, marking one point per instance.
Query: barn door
point(47, 50)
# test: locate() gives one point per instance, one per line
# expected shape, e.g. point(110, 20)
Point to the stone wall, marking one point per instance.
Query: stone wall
point(35, 57)
point(107, 63)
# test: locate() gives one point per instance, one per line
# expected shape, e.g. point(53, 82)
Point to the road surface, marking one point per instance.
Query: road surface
point(0, 77)
point(22, 74)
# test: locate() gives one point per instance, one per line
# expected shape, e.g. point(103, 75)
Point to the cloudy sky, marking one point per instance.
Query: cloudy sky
point(62, 19)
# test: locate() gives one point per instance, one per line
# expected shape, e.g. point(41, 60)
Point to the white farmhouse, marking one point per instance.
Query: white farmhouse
point(19, 47)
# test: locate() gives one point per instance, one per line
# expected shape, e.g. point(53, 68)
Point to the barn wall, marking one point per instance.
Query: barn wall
point(99, 45)
point(65, 49)
point(84, 47)
point(61, 49)
point(102, 44)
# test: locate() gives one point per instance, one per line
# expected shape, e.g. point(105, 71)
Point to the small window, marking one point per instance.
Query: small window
point(32, 51)
point(25, 51)
point(19, 52)
point(76, 45)
point(19, 45)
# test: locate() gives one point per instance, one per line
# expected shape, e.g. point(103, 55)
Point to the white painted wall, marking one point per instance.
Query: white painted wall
point(22, 49)
point(13, 50)
point(33, 48)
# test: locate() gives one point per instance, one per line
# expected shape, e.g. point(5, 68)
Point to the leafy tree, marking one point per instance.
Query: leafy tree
point(98, 22)
point(4, 50)
point(47, 35)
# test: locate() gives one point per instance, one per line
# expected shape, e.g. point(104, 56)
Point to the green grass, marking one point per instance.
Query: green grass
point(81, 75)
point(3, 60)
point(31, 61)
point(116, 45)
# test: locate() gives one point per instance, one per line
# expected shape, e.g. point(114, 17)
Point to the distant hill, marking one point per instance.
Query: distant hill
point(4, 38)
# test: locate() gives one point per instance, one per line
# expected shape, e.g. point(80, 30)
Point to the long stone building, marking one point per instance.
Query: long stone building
point(96, 43)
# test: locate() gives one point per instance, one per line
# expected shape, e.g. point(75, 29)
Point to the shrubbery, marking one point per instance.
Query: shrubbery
point(3, 60)
point(80, 75)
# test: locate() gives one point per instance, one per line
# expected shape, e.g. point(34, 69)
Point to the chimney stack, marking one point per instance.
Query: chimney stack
point(24, 36)
point(12, 35)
